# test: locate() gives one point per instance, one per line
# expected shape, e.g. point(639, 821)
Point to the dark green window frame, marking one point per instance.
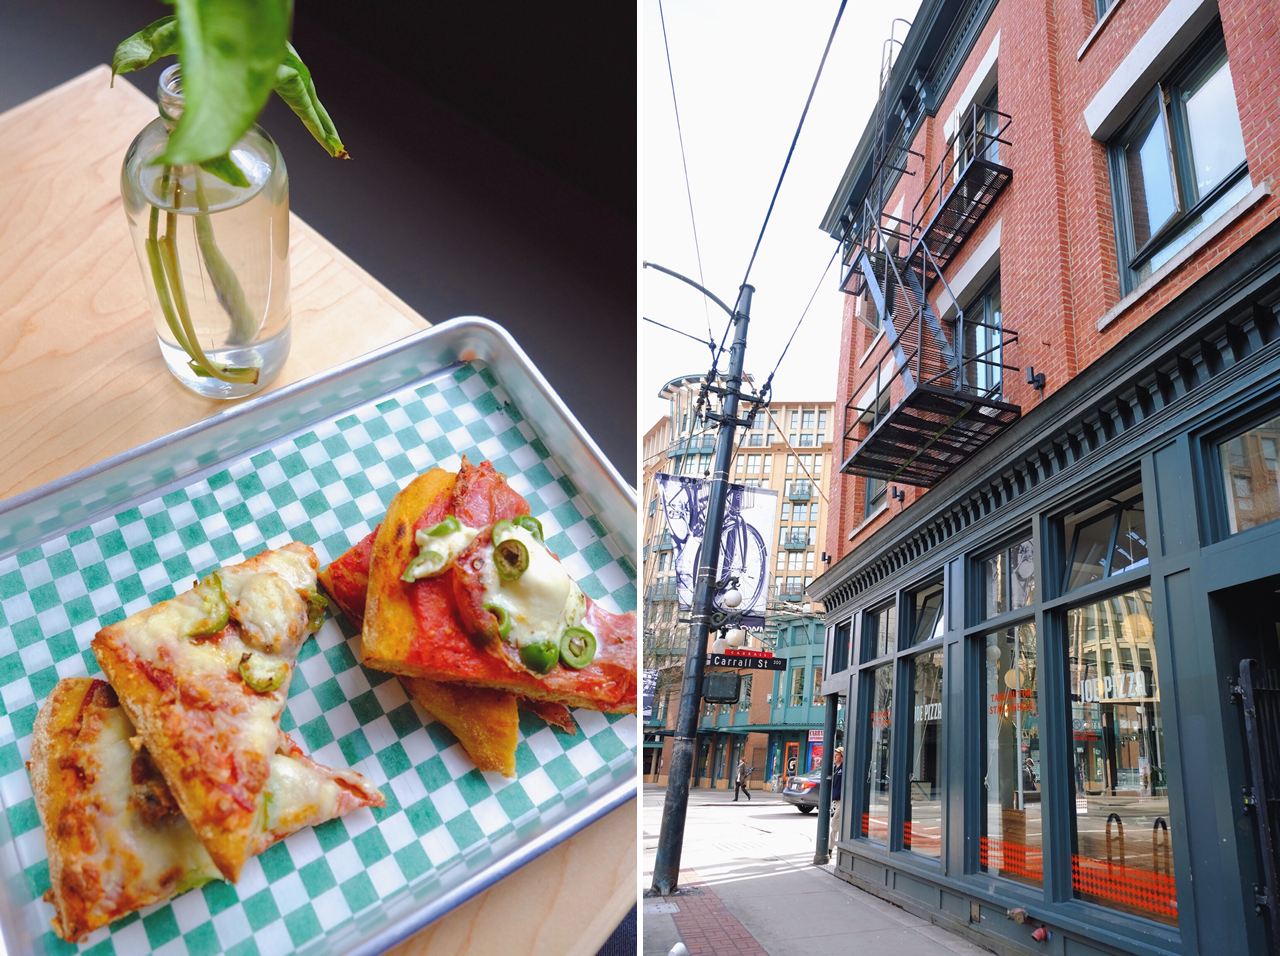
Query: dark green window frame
point(1206, 55)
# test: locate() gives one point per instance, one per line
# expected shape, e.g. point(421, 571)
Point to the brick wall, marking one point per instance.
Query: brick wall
point(1058, 266)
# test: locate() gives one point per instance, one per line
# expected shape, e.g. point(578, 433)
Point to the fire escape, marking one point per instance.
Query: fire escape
point(934, 398)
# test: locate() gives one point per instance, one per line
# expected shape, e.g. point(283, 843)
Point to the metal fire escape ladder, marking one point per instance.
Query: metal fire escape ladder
point(867, 265)
point(924, 405)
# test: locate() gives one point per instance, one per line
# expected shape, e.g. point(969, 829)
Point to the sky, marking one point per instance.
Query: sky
point(742, 72)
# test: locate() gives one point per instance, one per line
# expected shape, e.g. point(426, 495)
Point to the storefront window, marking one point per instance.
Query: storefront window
point(1008, 579)
point(797, 686)
point(1011, 838)
point(1251, 476)
point(875, 819)
point(878, 632)
point(1122, 852)
point(1108, 539)
point(840, 650)
point(927, 615)
point(922, 829)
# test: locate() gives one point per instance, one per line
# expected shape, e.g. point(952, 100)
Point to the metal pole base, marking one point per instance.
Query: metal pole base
point(666, 867)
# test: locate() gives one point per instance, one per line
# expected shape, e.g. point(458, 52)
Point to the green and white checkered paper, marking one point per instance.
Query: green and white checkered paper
point(327, 488)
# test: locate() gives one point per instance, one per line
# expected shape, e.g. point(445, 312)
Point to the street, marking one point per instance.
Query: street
point(750, 865)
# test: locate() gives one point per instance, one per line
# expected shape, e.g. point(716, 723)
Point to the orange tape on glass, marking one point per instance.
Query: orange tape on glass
point(1130, 887)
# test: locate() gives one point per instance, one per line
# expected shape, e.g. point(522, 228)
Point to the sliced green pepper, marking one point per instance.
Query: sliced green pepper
point(262, 674)
point(577, 648)
point(428, 563)
point(217, 612)
point(511, 558)
point(448, 526)
point(504, 621)
point(531, 524)
point(502, 530)
point(317, 606)
point(540, 658)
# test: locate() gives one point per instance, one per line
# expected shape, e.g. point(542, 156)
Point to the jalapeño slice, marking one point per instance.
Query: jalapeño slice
point(577, 648)
point(448, 526)
point(432, 561)
point(511, 558)
point(531, 524)
point(504, 621)
point(540, 658)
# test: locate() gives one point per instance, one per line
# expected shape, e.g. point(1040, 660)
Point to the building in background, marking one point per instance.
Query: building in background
point(788, 449)
point(1060, 358)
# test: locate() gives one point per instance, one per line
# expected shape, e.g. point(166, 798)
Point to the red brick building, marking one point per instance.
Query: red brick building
point(1056, 527)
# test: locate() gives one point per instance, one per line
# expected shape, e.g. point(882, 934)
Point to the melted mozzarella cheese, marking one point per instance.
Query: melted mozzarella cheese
point(542, 602)
point(267, 606)
point(298, 794)
point(449, 545)
point(135, 857)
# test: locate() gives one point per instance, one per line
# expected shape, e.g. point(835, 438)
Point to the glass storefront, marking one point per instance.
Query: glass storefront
point(1010, 842)
point(875, 819)
point(922, 829)
point(1122, 853)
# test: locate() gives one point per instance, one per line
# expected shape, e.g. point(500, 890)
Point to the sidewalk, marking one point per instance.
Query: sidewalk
point(749, 887)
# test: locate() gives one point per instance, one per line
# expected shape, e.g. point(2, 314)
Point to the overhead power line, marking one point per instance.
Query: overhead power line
point(768, 382)
point(709, 344)
point(794, 139)
point(675, 103)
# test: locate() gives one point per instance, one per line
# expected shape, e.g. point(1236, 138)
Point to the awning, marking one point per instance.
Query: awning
point(758, 728)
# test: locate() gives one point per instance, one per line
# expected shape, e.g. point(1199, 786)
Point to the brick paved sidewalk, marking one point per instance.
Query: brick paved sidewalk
point(706, 926)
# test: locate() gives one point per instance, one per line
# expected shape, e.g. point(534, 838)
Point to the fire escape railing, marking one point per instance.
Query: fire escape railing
point(934, 396)
point(976, 149)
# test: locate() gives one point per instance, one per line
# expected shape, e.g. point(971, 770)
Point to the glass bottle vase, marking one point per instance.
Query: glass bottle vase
point(214, 256)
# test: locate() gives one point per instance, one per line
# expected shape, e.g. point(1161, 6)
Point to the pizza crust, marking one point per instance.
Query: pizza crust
point(212, 736)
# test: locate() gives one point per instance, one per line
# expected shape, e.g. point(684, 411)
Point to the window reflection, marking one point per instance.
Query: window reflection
point(1009, 579)
point(1251, 474)
point(1123, 854)
point(878, 632)
point(875, 819)
point(1213, 123)
point(1146, 159)
point(1011, 837)
point(929, 621)
point(922, 828)
point(1107, 539)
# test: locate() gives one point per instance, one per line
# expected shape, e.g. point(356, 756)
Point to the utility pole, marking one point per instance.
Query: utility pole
point(666, 871)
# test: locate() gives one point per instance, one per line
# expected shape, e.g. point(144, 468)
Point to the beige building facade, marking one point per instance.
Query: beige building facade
point(788, 448)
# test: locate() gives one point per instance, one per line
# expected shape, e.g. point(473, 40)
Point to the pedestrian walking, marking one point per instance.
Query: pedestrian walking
point(837, 785)
point(740, 780)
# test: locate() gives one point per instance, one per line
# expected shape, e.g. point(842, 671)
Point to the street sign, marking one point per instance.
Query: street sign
point(746, 652)
point(753, 663)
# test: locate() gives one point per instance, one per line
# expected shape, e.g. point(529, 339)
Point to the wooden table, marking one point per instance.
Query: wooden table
point(81, 379)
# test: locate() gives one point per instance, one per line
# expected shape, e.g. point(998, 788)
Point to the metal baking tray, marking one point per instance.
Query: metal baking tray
point(319, 459)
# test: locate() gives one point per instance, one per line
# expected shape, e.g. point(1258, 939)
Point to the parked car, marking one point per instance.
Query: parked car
point(802, 791)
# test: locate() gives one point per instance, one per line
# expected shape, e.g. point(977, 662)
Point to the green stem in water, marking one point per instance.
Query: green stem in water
point(244, 326)
point(162, 287)
point(169, 259)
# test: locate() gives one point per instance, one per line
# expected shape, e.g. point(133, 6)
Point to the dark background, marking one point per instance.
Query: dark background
point(493, 168)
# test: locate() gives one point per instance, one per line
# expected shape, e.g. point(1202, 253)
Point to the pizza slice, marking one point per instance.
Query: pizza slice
point(204, 677)
point(441, 623)
point(116, 839)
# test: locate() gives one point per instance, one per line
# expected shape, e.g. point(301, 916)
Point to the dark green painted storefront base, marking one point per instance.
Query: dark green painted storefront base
point(981, 919)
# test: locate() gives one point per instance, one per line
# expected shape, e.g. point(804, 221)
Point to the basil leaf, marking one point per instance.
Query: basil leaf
point(146, 46)
point(229, 50)
point(293, 83)
point(224, 168)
